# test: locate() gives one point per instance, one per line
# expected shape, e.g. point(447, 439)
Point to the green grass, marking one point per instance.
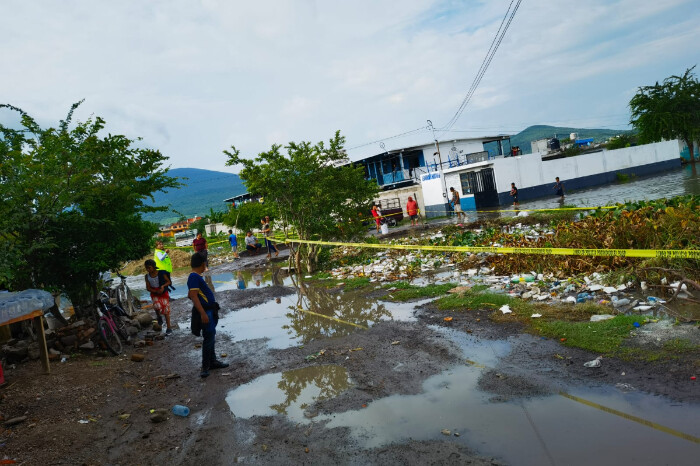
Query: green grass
point(406, 292)
point(599, 337)
point(680, 345)
point(356, 283)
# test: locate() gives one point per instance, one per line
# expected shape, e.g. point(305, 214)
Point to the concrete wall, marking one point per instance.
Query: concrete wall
point(435, 203)
point(467, 147)
point(415, 191)
point(535, 178)
point(216, 228)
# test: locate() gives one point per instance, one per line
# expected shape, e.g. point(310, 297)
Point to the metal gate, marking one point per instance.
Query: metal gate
point(483, 186)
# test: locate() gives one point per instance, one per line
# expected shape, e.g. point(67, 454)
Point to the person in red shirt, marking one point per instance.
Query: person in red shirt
point(200, 245)
point(376, 214)
point(412, 211)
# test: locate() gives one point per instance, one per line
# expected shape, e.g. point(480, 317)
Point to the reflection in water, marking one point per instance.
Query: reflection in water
point(288, 393)
point(349, 307)
point(209, 281)
point(240, 281)
point(330, 381)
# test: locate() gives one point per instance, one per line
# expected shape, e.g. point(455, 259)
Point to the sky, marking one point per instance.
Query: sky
point(194, 77)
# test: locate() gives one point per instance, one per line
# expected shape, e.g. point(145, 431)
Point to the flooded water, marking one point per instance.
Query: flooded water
point(580, 426)
point(241, 279)
point(310, 314)
point(685, 180)
point(288, 393)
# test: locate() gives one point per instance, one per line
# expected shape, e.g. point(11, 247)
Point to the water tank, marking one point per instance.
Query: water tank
point(573, 136)
point(554, 144)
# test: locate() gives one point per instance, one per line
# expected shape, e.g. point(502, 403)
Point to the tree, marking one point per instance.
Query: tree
point(71, 204)
point(621, 141)
point(669, 110)
point(247, 216)
point(315, 189)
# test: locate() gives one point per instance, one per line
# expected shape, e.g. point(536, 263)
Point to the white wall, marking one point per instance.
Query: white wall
point(433, 189)
point(415, 191)
point(529, 170)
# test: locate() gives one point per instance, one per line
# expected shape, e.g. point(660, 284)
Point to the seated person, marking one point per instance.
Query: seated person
point(251, 244)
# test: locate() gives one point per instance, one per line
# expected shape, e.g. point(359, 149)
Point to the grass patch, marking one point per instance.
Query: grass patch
point(406, 292)
point(356, 283)
point(680, 345)
point(599, 337)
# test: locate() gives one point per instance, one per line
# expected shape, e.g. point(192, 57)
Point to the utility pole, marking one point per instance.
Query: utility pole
point(442, 175)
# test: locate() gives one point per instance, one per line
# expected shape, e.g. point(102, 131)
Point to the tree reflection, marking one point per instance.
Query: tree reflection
point(330, 380)
point(353, 307)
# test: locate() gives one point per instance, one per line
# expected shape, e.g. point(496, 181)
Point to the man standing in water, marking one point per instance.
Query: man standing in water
point(455, 204)
point(514, 194)
point(559, 187)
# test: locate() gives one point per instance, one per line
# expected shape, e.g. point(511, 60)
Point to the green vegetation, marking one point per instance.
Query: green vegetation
point(407, 292)
point(535, 132)
point(72, 204)
point(621, 141)
point(247, 216)
point(669, 110)
point(603, 337)
point(315, 190)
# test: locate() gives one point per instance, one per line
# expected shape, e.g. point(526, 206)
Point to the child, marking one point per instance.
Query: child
point(158, 283)
point(559, 187)
point(233, 241)
point(205, 314)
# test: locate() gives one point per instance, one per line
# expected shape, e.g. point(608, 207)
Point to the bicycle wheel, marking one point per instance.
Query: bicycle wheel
point(121, 326)
point(110, 338)
point(125, 299)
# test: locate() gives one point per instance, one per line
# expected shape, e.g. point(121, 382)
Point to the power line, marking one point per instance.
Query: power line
point(406, 133)
point(500, 34)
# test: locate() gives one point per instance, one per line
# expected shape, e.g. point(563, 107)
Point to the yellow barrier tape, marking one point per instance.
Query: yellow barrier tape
point(629, 417)
point(331, 318)
point(646, 253)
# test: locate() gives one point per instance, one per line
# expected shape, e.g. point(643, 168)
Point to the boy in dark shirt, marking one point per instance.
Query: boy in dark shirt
point(205, 314)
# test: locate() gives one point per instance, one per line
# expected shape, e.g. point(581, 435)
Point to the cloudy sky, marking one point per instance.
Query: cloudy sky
point(194, 77)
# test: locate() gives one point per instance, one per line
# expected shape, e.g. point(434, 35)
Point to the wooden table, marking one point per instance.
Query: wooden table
point(37, 320)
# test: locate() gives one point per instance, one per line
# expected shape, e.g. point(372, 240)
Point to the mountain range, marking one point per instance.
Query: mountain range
point(533, 133)
point(203, 190)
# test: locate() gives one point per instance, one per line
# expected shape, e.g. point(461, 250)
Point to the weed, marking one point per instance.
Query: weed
point(407, 292)
point(603, 337)
point(356, 283)
point(680, 345)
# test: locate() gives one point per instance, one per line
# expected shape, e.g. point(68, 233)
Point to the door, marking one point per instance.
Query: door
point(483, 186)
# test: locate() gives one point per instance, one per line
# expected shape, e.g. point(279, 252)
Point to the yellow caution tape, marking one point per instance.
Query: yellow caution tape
point(616, 412)
point(331, 318)
point(646, 253)
point(629, 417)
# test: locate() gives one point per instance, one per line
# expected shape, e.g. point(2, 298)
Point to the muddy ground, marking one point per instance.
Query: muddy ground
point(113, 396)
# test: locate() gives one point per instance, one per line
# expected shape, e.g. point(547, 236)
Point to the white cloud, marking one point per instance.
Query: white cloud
point(193, 78)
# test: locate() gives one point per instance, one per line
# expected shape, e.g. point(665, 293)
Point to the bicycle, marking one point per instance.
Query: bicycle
point(110, 325)
point(125, 298)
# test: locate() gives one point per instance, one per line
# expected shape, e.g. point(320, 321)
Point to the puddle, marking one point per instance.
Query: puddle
point(546, 430)
point(241, 279)
point(311, 314)
point(288, 393)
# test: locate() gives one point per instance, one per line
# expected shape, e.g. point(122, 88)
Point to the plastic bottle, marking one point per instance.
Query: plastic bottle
point(180, 410)
point(621, 302)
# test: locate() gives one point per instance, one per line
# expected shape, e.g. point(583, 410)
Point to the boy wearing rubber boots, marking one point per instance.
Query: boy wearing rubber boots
point(205, 314)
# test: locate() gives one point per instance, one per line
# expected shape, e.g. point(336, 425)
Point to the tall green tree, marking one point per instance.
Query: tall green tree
point(670, 110)
point(247, 216)
point(315, 189)
point(71, 204)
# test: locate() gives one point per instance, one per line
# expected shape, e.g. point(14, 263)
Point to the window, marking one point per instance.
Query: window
point(464, 179)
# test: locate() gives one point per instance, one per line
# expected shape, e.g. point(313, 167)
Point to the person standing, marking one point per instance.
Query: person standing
point(559, 188)
point(377, 216)
point(514, 194)
point(233, 241)
point(200, 245)
point(205, 314)
point(161, 257)
point(158, 283)
point(266, 231)
point(412, 211)
point(456, 204)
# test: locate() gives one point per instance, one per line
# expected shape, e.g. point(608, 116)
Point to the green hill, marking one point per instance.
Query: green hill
point(535, 132)
point(202, 190)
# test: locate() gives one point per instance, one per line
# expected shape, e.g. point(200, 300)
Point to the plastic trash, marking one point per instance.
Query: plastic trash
point(594, 363)
point(637, 324)
point(523, 279)
point(505, 309)
point(621, 302)
point(180, 410)
point(385, 229)
point(654, 300)
point(534, 316)
point(601, 317)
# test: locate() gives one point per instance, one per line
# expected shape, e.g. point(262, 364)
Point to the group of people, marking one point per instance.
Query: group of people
point(558, 187)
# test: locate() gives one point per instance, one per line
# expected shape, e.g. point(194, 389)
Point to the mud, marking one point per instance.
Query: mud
point(336, 392)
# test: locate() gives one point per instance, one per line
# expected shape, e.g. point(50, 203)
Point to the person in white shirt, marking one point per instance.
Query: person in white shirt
point(251, 243)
